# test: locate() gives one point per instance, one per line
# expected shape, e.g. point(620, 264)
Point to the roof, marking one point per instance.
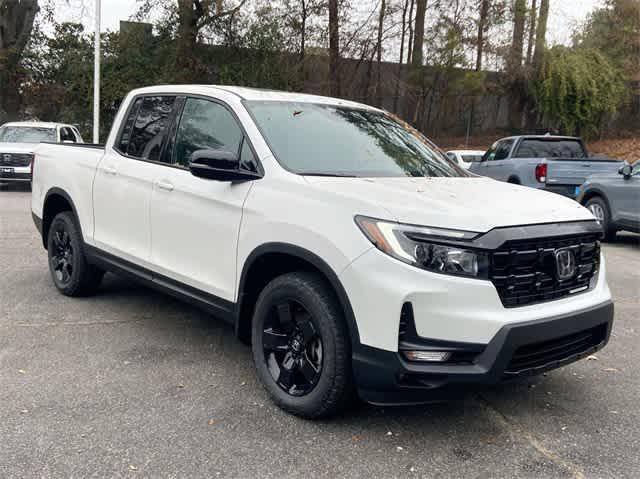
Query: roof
point(255, 94)
point(40, 124)
point(543, 137)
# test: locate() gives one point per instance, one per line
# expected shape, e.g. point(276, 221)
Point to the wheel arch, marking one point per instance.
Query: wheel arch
point(56, 201)
point(270, 260)
point(513, 179)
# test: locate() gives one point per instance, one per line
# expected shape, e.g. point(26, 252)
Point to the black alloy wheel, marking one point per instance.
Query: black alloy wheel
point(301, 346)
point(62, 265)
point(292, 348)
point(72, 274)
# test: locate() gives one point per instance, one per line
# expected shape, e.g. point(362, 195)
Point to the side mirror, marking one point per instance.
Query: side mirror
point(626, 170)
point(219, 165)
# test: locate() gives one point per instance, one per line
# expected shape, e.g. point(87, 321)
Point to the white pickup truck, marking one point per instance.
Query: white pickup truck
point(338, 241)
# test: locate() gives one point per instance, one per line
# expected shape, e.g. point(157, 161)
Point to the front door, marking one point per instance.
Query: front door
point(194, 221)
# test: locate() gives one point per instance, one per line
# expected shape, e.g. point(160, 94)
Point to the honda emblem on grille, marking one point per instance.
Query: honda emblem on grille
point(565, 264)
point(6, 157)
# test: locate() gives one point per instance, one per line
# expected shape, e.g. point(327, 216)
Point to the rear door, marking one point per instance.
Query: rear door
point(124, 178)
point(194, 221)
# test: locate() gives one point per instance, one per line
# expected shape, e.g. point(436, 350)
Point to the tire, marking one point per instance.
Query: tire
point(288, 304)
point(71, 273)
point(600, 209)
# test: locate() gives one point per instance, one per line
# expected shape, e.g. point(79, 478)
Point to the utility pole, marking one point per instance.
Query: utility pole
point(96, 77)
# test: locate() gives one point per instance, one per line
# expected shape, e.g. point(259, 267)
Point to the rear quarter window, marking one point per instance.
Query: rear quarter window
point(549, 148)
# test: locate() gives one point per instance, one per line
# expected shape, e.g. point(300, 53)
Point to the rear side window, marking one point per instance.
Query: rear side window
point(500, 151)
point(548, 148)
point(66, 134)
point(206, 125)
point(145, 129)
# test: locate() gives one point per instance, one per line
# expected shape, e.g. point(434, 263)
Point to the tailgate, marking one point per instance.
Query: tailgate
point(574, 172)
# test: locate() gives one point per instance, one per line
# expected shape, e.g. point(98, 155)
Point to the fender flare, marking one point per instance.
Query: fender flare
point(318, 263)
point(59, 192)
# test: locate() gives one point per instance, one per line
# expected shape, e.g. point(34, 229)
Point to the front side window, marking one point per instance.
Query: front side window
point(329, 140)
point(26, 134)
point(205, 125)
point(144, 137)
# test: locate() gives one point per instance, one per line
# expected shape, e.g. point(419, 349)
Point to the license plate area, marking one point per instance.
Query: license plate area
point(7, 171)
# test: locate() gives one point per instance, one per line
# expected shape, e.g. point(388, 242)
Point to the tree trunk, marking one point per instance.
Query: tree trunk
point(16, 24)
point(186, 41)
point(410, 44)
point(383, 6)
point(532, 31)
point(418, 39)
point(303, 30)
point(538, 55)
point(402, 35)
point(415, 72)
point(482, 24)
point(517, 43)
point(334, 51)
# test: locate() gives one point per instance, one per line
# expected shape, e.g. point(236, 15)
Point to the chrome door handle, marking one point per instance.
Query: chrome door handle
point(165, 185)
point(110, 170)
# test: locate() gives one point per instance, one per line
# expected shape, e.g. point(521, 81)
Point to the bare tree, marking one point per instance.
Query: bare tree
point(16, 24)
point(517, 44)
point(334, 49)
point(383, 7)
point(410, 21)
point(418, 39)
point(541, 32)
point(482, 25)
point(532, 30)
point(193, 16)
point(401, 59)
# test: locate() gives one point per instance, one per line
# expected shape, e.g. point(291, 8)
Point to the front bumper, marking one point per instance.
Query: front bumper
point(517, 350)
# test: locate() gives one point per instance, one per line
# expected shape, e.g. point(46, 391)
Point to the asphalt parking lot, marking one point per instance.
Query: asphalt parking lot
point(130, 383)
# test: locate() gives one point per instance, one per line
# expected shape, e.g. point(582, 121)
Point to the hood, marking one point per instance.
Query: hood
point(18, 147)
point(473, 204)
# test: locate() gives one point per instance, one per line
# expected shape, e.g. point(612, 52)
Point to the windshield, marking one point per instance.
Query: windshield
point(26, 134)
point(328, 140)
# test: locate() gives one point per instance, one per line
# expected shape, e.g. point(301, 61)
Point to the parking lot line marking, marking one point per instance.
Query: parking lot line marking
point(518, 430)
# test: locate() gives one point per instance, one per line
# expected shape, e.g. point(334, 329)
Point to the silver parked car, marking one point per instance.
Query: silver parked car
point(614, 199)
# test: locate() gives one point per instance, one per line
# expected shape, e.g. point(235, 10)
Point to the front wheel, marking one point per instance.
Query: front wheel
point(301, 346)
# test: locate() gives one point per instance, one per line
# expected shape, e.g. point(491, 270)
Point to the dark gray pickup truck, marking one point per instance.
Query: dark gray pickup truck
point(559, 164)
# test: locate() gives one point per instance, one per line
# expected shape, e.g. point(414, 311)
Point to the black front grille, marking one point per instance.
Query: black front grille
point(15, 159)
point(539, 355)
point(524, 271)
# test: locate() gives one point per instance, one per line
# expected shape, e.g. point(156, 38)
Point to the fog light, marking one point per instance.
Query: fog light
point(430, 356)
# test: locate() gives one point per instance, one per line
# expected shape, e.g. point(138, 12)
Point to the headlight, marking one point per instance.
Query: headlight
point(426, 247)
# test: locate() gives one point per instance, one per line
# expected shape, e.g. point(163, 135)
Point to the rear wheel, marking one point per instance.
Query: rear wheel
point(301, 346)
point(70, 271)
point(600, 210)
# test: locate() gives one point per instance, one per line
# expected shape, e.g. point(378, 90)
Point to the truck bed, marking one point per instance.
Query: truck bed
point(564, 175)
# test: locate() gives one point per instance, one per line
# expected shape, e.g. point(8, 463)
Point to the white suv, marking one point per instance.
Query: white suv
point(337, 240)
